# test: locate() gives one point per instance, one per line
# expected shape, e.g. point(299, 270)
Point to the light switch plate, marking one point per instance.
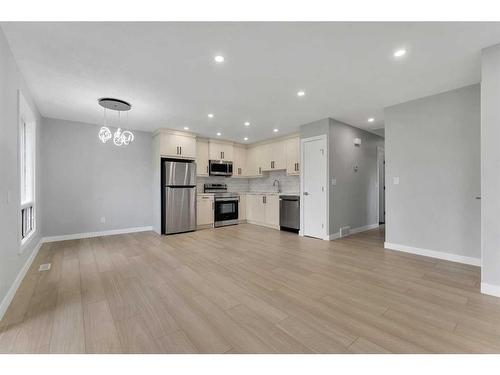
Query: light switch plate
point(396, 180)
point(103, 219)
point(334, 181)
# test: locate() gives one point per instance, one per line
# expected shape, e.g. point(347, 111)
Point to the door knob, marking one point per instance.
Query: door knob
point(306, 193)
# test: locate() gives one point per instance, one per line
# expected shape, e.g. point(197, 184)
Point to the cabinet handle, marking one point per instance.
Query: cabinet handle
point(207, 169)
point(177, 153)
point(260, 170)
point(180, 150)
point(213, 205)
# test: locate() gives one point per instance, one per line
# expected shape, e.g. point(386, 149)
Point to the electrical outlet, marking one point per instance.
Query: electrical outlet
point(44, 267)
point(103, 219)
point(334, 181)
point(396, 180)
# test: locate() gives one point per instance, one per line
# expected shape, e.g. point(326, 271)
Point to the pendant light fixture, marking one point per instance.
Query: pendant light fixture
point(120, 137)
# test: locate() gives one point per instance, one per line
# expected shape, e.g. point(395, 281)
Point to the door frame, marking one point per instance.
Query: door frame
point(380, 149)
point(326, 234)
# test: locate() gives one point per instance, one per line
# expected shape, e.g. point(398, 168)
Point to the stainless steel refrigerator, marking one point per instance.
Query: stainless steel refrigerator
point(178, 196)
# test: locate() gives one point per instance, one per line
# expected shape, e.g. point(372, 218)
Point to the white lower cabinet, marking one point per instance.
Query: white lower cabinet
point(205, 211)
point(263, 209)
point(242, 208)
point(272, 210)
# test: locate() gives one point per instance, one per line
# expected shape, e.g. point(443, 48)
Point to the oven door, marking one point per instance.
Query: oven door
point(226, 211)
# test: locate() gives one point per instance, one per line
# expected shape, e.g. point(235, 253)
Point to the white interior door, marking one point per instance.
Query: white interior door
point(314, 187)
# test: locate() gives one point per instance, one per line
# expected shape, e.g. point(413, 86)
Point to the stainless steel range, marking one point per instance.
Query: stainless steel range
point(226, 204)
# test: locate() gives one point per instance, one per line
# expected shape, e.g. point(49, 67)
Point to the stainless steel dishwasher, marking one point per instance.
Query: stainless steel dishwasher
point(290, 213)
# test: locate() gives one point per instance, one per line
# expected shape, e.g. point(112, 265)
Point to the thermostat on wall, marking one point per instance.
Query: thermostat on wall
point(357, 142)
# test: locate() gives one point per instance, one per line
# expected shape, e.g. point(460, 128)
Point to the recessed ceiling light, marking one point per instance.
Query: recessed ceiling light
point(186, 127)
point(218, 134)
point(211, 115)
point(371, 119)
point(301, 93)
point(275, 130)
point(400, 52)
point(219, 59)
point(247, 123)
point(246, 138)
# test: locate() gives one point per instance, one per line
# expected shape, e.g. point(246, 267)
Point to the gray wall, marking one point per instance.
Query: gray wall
point(354, 198)
point(85, 180)
point(432, 145)
point(12, 259)
point(490, 167)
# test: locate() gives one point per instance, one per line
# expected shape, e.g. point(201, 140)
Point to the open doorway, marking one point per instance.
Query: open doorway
point(381, 184)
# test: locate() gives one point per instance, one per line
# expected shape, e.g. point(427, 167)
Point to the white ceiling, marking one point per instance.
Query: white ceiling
point(166, 70)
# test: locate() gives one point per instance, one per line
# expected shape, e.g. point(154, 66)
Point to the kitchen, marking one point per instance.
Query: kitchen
point(233, 183)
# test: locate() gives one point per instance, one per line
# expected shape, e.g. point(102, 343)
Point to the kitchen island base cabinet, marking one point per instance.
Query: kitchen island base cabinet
point(263, 209)
point(204, 212)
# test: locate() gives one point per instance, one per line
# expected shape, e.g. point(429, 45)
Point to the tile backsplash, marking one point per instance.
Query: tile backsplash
point(288, 184)
point(233, 184)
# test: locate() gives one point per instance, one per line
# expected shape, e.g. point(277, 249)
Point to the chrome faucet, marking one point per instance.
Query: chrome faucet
point(274, 184)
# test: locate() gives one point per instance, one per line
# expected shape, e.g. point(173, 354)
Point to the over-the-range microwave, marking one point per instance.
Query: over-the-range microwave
point(220, 168)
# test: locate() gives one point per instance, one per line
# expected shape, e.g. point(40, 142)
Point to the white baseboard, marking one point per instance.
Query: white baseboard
point(490, 289)
point(19, 278)
point(77, 236)
point(263, 224)
point(334, 236)
point(433, 254)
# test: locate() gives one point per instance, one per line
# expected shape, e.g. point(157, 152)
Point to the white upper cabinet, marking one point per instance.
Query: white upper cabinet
point(254, 161)
point(239, 161)
point(274, 156)
point(202, 157)
point(292, 151)
point(220, 150)
point(251, 161)
point(177, 144)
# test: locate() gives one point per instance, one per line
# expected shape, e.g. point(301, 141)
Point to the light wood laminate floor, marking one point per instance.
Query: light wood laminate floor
point(247, 289)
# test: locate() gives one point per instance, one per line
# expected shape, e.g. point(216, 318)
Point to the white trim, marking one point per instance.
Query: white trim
point(77, 236)
point(433, 254)
point(364, 228)
point(380, 150)
point(490, 289)
point(19, 278)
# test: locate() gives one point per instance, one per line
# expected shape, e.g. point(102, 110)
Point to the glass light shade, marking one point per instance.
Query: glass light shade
point(117, 137)
point(127, 137)
point(104, 134)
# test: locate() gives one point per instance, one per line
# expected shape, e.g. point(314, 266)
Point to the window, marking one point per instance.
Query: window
point(27, 168)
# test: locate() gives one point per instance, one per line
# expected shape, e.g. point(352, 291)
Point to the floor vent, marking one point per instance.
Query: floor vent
point(345, 231)
point(44, 267)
